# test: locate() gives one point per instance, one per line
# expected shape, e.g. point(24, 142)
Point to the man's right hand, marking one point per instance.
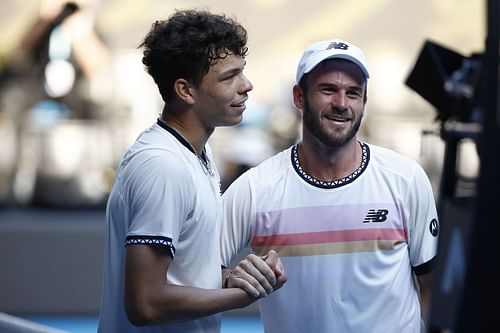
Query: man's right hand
point(258, 276)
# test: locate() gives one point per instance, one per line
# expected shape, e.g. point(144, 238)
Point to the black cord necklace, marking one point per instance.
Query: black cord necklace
point(202, 158)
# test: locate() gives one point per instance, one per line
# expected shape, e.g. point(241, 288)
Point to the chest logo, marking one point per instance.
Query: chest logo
point(376, 215)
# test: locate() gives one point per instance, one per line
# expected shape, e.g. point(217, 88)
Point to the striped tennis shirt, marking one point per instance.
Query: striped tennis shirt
point(350, 247)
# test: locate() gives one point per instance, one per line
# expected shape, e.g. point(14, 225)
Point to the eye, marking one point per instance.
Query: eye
point(229, 76)
point(354, 93)
point(328, 90)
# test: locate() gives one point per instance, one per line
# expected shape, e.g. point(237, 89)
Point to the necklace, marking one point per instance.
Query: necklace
point(204, 161)
point(202, 157)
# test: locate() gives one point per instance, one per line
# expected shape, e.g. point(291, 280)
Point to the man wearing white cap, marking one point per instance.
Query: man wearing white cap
point(355, 224)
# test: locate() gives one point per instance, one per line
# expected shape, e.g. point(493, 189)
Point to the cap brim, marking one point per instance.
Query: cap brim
point(343, 56)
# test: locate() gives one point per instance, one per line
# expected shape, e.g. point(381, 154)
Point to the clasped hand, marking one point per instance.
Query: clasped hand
point(258, 276)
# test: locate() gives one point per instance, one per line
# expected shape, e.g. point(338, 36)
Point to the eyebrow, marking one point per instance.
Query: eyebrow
point(234, 70)
point(334, 85)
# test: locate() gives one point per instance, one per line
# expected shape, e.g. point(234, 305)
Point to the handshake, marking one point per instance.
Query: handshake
point(259, 276)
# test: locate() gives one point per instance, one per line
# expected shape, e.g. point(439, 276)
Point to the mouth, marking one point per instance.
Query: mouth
point(239, 104)
point(338, 118)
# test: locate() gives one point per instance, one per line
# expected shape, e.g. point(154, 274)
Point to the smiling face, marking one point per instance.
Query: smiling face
point(333, 101)
point(221, 96)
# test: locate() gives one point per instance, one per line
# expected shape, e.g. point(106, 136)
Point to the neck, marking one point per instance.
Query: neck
point(329, 163)
point(201, 155)
point(196, 137)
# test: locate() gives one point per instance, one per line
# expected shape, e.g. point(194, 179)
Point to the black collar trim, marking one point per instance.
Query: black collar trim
point(335, 183)
point(176, 134)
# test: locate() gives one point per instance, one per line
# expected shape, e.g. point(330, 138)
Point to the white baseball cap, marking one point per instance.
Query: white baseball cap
point(331, 49)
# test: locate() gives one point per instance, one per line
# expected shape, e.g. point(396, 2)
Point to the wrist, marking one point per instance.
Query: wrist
point(226, 280)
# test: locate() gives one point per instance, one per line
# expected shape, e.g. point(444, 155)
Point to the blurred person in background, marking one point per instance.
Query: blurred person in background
point(355, 224)
point(49, 80)
point(162, 266)
point(61, 52)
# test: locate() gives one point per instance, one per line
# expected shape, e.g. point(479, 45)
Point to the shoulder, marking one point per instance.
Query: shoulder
point(154, 155)
point(271, 167)
point(265, 174)
point(392, 161)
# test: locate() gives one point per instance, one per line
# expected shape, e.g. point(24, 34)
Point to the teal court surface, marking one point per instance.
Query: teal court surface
point(88, 324)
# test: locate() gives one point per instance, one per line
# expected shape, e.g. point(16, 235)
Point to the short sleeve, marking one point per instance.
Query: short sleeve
point(238, 218)
point(159, 198)
point(423, 222)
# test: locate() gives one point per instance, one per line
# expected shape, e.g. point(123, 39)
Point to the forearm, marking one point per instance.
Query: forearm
point(150, 299)
point(178, 303)
point(425, 299)
point(425, 284)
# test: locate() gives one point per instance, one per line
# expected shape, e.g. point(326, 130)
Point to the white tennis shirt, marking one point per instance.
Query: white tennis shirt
point(350, 248)
point(162, 195)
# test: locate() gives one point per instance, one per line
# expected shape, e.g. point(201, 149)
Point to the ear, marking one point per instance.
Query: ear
point(298, 97)
point(184, 90)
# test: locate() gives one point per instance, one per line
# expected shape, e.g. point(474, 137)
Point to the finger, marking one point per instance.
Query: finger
point(266, 265)
point(259, 270)
point(273, 259)
point(281, 268)
point(281, 282)
point(264, 274)
point(260, 273)
point(274, 262)
point(248, 284)
point(281, 279)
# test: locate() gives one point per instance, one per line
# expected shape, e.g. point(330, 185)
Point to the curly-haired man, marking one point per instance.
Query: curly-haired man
point(162, 269)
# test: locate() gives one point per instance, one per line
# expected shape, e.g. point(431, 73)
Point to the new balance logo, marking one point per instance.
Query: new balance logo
point(337, 46)
point(379, 215)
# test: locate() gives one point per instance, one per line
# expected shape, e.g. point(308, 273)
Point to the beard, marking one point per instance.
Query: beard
point(332, 137)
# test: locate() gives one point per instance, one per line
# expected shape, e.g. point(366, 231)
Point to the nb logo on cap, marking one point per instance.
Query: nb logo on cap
point(337, 46)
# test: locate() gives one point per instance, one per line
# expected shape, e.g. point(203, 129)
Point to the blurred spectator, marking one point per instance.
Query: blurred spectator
point(59, 54)
point(45, 84)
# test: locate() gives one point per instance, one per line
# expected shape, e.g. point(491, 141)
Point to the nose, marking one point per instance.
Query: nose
point(339, 101)
point(246, 85)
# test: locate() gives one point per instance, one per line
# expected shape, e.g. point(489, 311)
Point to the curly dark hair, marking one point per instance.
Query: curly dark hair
point(187, 44)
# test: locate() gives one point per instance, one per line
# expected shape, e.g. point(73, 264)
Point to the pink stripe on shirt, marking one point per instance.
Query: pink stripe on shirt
point(330, 237)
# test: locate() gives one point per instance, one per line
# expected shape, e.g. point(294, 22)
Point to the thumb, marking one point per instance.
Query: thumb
point(274, 262)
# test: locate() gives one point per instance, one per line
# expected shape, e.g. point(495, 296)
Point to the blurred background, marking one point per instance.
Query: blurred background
point(74, 95)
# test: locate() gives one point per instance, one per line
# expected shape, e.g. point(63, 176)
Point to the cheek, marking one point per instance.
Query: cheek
point(321, 100)
point(214, 97)
point(222, 93)
point(320, 105)
point(360, 110)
